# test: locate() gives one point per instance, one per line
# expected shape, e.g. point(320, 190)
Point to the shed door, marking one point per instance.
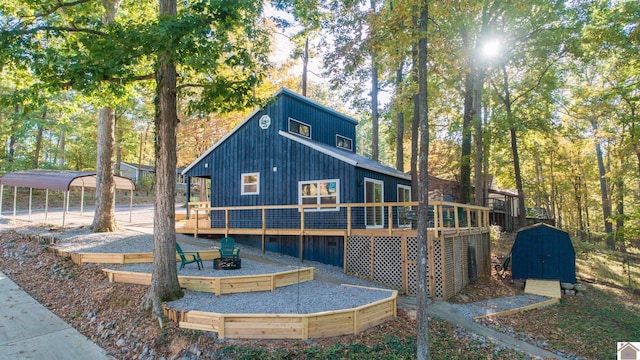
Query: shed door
point(549, 259)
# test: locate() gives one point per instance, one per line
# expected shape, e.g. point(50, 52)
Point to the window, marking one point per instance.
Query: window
point(250, 184)
point(319, 192)
point(344, 142)
point(404, 212)
point(300, 128)
point(373, 193)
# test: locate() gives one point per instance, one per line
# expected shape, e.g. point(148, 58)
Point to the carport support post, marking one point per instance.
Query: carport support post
point(1, 197)
point(46, 205)
point(65, 206)
point(130, 204)
point(82, 200)
point(15, 198)
point(30, 197)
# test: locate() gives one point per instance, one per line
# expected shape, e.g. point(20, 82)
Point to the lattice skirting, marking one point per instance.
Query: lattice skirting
point(452, 261)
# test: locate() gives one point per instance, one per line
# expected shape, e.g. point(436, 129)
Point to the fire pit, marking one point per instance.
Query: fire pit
point(227, 263)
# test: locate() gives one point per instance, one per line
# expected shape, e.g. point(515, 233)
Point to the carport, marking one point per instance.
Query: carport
point(59, 180)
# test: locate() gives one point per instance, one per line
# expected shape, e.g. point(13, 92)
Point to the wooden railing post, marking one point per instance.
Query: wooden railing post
point(301, 234)
point(226, 222)
point(441, 216)
point(390, 210)
point(195, 234)
point(264, 228)
point(349, 220)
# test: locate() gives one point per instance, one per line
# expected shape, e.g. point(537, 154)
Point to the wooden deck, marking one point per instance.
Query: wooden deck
point(444, 217)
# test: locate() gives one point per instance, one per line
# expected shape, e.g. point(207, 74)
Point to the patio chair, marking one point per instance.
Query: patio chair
point(194, 255)
point(228, 248)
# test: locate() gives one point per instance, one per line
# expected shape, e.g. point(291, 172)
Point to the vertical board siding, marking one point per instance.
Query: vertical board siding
point(543, 252)
point(323, 249)
point(324, 125)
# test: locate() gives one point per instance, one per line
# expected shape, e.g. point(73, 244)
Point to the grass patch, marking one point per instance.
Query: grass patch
point(589, 325)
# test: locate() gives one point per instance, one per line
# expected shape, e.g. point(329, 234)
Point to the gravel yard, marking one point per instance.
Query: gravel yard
point(303, 298)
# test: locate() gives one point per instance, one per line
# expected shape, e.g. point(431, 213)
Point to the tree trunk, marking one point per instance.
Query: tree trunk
point(415, 125)
point(39, 136)
point(522, 210)
point(305, 64)
point(375, 155)
point(620, 210)
point(480, 183)
point(465, 156)
point(143, 141)
point(118, 147)
point(164, 276)
point(423, 204)
point(13, 135)
point(104, 219)
point(62, 146)
point(522, 216)
point(399, 125)
point(577, 194)
point(604, 196)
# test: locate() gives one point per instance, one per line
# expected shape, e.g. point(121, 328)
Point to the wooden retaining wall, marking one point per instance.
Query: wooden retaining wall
point(125, 258)
point(289, 326)
point(221, 285)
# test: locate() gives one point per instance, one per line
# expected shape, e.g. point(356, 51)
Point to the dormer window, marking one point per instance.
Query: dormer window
point(299, 128)
point(344, 143)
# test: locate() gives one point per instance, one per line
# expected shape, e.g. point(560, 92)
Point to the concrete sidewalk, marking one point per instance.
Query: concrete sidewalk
point(28, 330)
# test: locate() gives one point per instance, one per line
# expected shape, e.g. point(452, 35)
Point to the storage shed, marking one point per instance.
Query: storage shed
point(542, 251)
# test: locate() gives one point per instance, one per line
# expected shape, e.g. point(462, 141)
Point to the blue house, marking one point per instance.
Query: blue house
point(297, 151)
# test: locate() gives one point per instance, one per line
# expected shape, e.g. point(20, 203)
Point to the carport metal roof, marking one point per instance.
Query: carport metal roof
point(60, 180)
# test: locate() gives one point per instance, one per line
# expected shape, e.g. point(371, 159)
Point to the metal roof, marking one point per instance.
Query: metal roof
point(60, 180)
point(349, 157)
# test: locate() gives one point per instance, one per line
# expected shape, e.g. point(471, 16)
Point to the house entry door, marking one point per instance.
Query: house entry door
point(373, 193)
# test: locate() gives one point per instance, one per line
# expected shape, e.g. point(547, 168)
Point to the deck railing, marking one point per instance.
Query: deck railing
point(332, 219)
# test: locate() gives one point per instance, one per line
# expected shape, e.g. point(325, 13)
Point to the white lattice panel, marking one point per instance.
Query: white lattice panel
point(387, 267)
point(359, 256)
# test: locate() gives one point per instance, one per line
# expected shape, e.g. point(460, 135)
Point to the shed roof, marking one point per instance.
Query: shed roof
point(60, 180)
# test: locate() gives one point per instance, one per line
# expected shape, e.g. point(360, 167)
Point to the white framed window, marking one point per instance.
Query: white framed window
point(404, 195)
point(250, 184)
point(374, 194)
point(319, 192)
point(299, 128)
point(344, 142)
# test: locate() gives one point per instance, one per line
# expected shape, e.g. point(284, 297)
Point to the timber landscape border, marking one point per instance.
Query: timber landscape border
point(290, 326)
point(251, 326)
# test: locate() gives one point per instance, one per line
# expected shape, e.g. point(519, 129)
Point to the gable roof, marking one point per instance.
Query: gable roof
point(282, 91)
point(347, 156)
